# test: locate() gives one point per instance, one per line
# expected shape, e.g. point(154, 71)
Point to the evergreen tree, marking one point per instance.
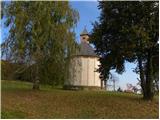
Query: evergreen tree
point(128, 31)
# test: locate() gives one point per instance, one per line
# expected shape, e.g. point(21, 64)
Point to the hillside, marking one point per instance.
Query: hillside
point(19, 101)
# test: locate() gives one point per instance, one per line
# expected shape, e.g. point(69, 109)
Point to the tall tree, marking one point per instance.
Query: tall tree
point(41, 35)
point(128, 31)
point(114, 79)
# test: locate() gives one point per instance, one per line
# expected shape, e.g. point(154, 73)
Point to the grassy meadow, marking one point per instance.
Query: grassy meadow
point(18, 100)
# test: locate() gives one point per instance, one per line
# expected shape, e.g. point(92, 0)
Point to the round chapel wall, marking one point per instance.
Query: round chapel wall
point(82, 73)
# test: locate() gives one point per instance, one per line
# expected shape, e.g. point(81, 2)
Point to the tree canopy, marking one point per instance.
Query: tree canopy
point(128, 31)
point(41, 35)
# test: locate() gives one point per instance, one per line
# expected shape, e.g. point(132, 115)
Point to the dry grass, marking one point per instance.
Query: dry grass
point(22, 102)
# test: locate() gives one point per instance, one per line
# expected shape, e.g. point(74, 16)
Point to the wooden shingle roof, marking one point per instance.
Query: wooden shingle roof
point(86, 50)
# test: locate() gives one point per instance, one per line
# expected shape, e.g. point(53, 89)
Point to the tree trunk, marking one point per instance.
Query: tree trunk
point(143, 83)
point(36, 85)
point(105, 84)
point(102, 84)
point(149, 77)
point(114, 85)
point(36, 80)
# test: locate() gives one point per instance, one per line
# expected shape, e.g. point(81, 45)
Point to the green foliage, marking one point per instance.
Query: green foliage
point(41, 36)
point(10, 71)
point(127, 31)
point(5, 69)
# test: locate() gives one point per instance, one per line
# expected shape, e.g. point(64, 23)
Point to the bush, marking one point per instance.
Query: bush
point(119, 90)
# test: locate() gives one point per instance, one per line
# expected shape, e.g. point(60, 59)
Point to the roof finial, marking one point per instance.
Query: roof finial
point(84, 32)
point(85, 26)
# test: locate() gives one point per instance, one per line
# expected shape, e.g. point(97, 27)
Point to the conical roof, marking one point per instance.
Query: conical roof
point(86, 50)
point(84, 32)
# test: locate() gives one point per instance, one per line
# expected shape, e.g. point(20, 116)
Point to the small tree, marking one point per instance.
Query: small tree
point(135, 89)
point(119, 90)
point(114, 79)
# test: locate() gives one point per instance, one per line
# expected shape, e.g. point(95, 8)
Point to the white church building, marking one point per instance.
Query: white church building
point(83, 67)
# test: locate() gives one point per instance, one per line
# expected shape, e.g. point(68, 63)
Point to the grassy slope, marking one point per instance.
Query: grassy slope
point(19, 101)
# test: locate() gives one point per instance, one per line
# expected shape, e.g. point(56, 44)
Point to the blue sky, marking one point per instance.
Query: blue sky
point(89, 13)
